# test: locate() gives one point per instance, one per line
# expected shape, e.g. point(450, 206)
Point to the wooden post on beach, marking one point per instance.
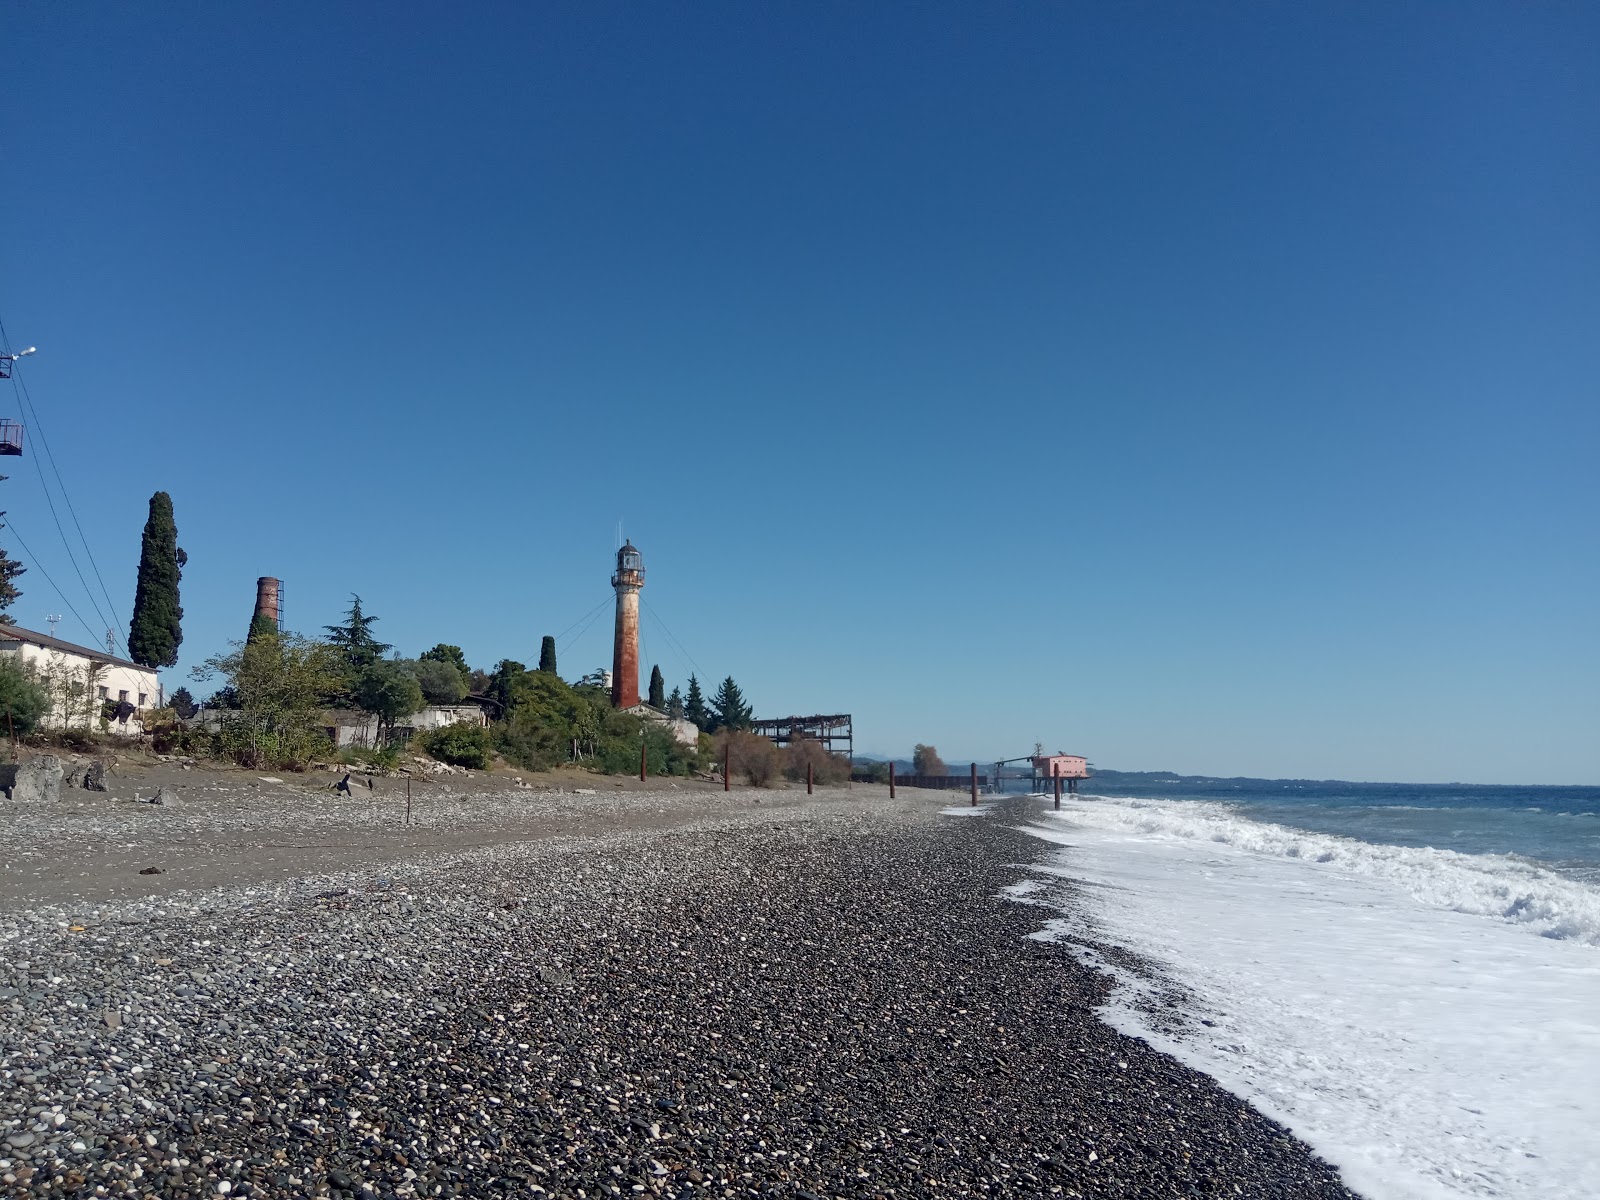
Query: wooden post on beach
point(974, 785)
point(727, 776)
point(408, 799)
point(1055, 774)
point(642, 761)
point(891, 779)
point(808, 779)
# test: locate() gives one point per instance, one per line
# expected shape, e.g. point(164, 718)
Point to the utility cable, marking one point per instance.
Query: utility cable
point(27, 408)
point(11, 525)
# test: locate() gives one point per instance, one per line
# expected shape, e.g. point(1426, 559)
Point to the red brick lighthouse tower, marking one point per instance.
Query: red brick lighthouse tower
point(627, 581)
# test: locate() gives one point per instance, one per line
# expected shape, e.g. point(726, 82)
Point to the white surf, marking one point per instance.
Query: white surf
point(1427, 1021)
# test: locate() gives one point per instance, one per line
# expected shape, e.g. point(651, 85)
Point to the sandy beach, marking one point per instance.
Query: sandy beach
point(659, 991)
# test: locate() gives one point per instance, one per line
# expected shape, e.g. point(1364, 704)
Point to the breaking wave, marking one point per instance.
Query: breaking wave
point(1488, 885)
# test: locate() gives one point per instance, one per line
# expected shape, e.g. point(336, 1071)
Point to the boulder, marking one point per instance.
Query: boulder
point(94, 775)
point(165, 797)
point(35, 780)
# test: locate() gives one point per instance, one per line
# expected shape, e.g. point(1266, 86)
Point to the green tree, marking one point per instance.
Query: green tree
point(10, 568)
point(658, 689)
point(447, 654)
point(260, 626)
point(155, 633)
point(182, 703)
point(354, 639)
point(506, 671)
point(547, 655)
point(442, 682)
point(925, 760)
point(389, 691)
point(729, 711)
point(694, 706)
point(273, 694)
point(675, 703)
point(23, 698)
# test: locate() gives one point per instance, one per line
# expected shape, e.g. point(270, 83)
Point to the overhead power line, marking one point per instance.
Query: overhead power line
point(27, 408)
point(16, 533)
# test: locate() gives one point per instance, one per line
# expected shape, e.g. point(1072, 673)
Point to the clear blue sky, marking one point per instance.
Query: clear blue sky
point(1195, 387)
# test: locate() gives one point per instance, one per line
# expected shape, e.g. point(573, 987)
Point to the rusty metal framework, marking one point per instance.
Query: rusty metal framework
point(836, 732)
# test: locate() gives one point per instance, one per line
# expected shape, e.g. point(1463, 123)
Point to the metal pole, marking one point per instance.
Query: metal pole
point(408, 799)
point(974, 785)
point(727, 777)
point(1055, 775)
point(642, 760)
point(808, 779)
point(891, 779)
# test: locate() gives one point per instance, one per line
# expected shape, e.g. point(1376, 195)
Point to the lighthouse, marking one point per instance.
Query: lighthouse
point(627, 581)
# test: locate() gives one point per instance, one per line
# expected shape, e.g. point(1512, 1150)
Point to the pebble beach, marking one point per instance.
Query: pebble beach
point(648, 993)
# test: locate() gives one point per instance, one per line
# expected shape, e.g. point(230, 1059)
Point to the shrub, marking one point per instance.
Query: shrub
point(460, 745)
point(530, 741)
point(282, 749)
point(876, 772)
point(178, 738)
point(826, 768)
point(22, 697)
point(750, 755)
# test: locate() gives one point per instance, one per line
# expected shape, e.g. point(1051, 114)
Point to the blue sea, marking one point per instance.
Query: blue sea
point(1558, 827)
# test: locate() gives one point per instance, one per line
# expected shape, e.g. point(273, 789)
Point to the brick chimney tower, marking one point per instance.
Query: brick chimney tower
point(269, 600)
point(625, 656)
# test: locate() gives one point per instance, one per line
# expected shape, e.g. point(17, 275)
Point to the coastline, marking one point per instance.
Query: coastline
point(710, 997)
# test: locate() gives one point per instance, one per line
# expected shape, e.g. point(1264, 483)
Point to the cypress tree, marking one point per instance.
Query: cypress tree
point(547, 655)
point(261, 625)
point(694, 706)
point(155, 633)
point(658, 689)
point(675, 703)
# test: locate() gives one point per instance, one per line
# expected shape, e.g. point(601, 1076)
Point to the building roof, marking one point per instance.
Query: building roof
point(15, 633)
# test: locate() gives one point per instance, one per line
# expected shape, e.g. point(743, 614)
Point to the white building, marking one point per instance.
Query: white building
point(80, 680)
point(352, 728)
point(684, 732)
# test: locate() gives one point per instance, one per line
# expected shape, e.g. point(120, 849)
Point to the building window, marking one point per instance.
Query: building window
point(142, 698)
point(122, 696)
point(104, 694)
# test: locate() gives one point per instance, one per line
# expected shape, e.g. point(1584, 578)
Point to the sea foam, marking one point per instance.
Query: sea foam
point(1391, 1006)
point(1487, 885)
